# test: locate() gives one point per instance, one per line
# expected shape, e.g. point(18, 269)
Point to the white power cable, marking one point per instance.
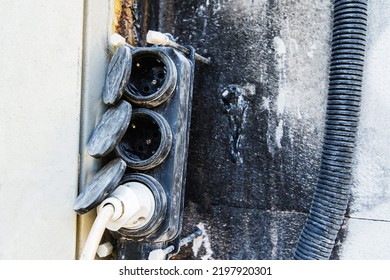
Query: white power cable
point(130, 206)
point(96, 233)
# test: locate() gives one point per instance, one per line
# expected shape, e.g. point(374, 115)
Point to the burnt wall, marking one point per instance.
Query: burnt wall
point(257, 120)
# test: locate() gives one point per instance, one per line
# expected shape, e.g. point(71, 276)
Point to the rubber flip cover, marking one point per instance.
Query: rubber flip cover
point(101, 186)
point(118, 74)
point(110, 130)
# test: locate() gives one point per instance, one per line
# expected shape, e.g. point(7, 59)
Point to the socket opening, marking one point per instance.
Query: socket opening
point(147, 141)
point(153, 78)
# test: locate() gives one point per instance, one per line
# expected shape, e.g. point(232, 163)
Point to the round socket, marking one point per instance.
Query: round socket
point(153, 78)
point(160, 200)
point(147, 141)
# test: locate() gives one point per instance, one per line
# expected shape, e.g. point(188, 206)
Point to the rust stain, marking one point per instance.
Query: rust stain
point(124, 17)
point(117, 14)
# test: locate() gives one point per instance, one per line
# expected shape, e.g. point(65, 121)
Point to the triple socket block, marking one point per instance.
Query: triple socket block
point(146, 129)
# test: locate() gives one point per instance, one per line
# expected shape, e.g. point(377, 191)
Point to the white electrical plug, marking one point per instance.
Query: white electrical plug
point(134, 206)
point(130, 206)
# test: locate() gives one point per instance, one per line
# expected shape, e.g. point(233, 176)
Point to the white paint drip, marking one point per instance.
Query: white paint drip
point(281, 100)
point(275, 125)
point(279, 134)
point(280, 47)
point(300, 99)
point(202, 13)
point(196, 244)
point(205, 241)
point(280, 53)
point(274, 236)
point(293, 46)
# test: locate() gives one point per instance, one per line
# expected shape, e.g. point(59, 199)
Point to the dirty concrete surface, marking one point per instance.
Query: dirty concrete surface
point(256, 128)
point(257, 124)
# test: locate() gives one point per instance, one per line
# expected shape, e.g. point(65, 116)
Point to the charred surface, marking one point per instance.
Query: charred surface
point(257, 117)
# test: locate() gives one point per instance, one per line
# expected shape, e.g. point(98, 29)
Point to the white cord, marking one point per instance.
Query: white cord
point(131, 206)
point(96, 233)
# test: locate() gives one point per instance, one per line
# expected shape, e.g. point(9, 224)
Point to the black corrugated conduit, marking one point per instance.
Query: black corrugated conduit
point(332, 193)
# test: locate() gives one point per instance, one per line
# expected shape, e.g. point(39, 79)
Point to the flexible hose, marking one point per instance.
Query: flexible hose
point(330, 200)
point(96, 233)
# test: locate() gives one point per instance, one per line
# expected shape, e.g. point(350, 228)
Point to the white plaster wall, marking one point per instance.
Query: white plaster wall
point(368, 229)
point(40, 89)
